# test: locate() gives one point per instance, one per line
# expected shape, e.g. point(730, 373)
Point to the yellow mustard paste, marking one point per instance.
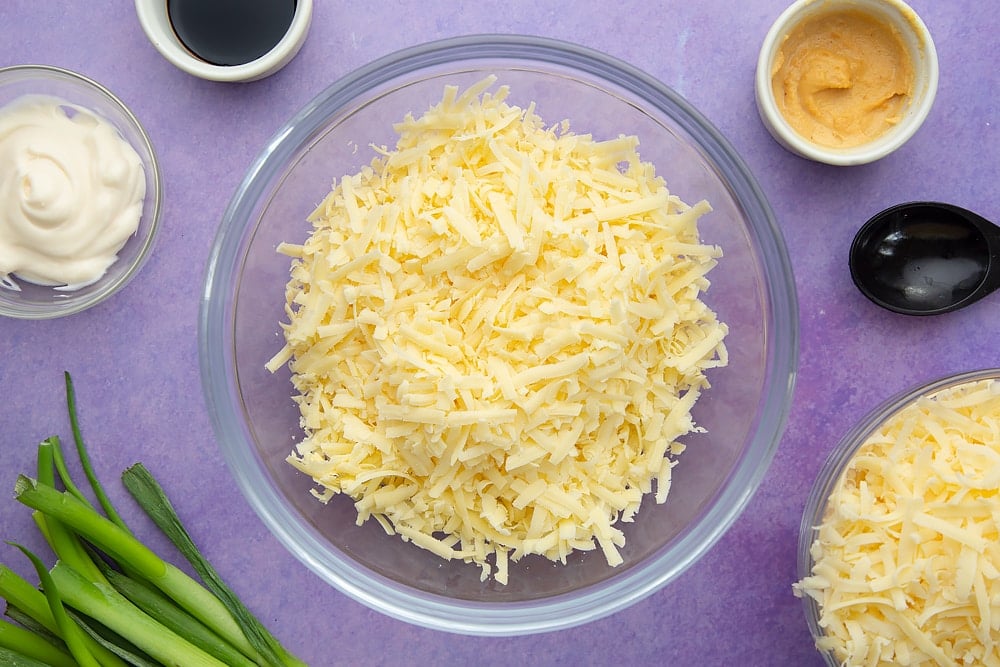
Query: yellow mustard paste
point(842, 78)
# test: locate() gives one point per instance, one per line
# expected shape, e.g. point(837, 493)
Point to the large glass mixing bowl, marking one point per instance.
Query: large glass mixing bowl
point(257, 423)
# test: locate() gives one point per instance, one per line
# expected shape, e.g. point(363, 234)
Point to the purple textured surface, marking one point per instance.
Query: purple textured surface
point(134, 357)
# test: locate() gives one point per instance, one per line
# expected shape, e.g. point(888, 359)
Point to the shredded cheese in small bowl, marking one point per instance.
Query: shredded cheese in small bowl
point(899, 550)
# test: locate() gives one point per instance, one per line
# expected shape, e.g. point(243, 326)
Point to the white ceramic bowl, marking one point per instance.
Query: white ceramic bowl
point(920, 48)
point(156, 24)
point(25, 300)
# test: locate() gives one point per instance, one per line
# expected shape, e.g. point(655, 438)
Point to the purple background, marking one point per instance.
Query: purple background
point(134, 357)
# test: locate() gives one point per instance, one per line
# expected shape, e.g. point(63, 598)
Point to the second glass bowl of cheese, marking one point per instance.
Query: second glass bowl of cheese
point(898, 555)
point(258, 424)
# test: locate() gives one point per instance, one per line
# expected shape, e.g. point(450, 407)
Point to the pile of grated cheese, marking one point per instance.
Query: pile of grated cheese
point(907, 558)
point(496, 335)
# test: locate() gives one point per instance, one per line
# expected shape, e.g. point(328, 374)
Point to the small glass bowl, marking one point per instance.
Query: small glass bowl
point(25, 300)
point(257, 423)
point(920, 48)
point(837, 462)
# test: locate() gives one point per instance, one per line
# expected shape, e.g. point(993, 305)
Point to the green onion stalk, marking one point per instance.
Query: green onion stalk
point(110, 600)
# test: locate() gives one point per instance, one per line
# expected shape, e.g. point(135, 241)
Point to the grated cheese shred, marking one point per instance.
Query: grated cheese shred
point(907, 557)
point(496, 335)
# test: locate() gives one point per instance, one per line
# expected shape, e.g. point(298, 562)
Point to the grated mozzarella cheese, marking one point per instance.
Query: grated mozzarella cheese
point(907, 558)
point(496, 334)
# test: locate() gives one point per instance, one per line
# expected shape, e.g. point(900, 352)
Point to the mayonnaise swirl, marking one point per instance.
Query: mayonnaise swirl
point(71, 192)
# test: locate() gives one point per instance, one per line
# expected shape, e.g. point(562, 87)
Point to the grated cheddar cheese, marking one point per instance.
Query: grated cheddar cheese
point(496, 335)
point(907, 557)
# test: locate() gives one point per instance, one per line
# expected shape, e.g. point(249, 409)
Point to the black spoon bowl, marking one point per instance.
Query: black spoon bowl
point(926, 258)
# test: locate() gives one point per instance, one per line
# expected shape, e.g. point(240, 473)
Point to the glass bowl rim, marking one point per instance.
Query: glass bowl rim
point(72, 306)
point(546, 614)
point(840, 457)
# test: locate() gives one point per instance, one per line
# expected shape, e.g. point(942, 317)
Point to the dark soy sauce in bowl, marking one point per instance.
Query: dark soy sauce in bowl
point(230, 32)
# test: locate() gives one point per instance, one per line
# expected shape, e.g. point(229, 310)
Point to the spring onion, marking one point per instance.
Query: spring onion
point(71, 633)
point(151, 497)
point(110, 600)
point(30, 645)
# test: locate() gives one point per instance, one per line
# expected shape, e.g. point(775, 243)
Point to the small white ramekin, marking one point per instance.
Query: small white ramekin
point(919, 45)
point(156, 24)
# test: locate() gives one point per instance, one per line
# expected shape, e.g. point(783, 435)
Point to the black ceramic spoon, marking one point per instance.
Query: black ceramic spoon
point(926, 258)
